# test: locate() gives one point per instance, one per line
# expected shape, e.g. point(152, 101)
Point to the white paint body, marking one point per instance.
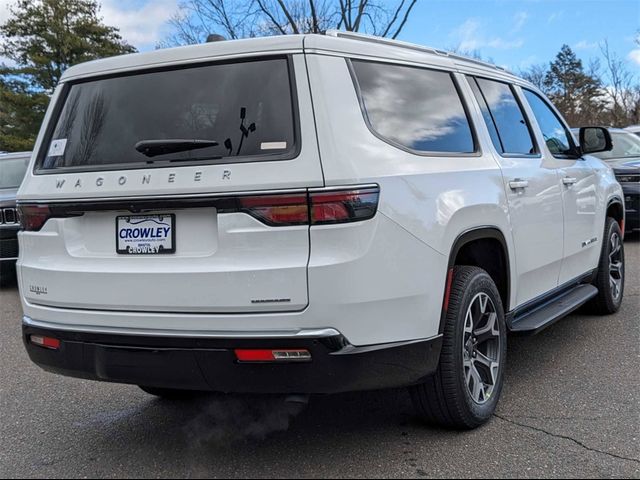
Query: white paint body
point(377, 281)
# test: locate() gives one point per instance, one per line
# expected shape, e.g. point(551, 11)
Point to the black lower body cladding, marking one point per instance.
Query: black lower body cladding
point(211, 364)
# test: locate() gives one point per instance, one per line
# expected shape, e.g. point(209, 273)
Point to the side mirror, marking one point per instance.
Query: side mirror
point(595, 139)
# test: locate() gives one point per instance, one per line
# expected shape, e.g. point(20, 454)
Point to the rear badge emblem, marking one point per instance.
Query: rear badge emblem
point(271, 300)
point(38, 290)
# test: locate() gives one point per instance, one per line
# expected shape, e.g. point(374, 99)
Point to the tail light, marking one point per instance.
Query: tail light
point(318, 207)
point(277, 210)
point(341, 206)
point(33, 217)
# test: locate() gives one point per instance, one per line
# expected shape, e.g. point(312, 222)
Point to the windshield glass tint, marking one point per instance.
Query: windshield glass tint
point(414, 107)
point(625, 145)
point(245, 107)
point(12, 171)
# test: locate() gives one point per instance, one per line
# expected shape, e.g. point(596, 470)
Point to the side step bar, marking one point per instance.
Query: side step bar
point(536, 320)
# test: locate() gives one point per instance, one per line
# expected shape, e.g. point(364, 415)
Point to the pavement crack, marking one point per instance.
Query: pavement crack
point(565, 437)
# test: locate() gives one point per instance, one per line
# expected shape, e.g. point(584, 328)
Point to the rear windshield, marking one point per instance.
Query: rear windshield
point(246, 108)
point(12, 171)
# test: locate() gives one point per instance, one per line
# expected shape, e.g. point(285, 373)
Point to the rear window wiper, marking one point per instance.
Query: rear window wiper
point(152, 148)
point(184, 159)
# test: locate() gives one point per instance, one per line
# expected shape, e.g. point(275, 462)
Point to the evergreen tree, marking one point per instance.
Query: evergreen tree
point(575, 93)
point(44, 38)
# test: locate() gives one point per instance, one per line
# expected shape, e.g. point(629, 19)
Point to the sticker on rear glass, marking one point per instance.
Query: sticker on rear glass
point(57, 147)
point(273, 146)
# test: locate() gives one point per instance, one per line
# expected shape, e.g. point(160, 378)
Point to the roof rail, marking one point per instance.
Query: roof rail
point(411, 46)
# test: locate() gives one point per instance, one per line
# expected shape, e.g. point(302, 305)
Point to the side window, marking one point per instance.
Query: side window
point(556, 136)
point(414, 108)
point(505, 119)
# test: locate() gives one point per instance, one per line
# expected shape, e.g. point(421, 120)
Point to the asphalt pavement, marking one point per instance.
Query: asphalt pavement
point(570, 408)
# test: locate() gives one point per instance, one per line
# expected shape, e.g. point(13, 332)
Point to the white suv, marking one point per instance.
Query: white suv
point(309, 214)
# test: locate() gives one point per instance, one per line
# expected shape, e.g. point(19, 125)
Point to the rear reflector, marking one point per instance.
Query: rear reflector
point(45, 342)
point(273, 356)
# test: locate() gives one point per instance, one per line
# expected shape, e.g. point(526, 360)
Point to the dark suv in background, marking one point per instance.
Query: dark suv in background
point(624, 159)
point(13, 167)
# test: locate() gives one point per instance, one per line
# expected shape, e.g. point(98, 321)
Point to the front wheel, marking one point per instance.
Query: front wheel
point(464, 391)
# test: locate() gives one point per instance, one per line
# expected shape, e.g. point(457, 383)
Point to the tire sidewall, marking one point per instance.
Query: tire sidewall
point(480, 282)
point(612, 227)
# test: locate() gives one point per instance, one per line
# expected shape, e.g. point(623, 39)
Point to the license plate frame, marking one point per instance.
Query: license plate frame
point(146, 246)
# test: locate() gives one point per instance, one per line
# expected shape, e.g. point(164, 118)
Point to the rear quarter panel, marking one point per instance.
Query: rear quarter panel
point(432, 200)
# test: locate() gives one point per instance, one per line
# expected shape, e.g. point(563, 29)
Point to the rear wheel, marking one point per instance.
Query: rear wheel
point(610, 277)
point(464, 391)
point(171, 393)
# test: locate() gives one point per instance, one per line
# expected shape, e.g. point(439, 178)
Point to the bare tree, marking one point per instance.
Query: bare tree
point(621, 88)
point(535, 74)
point(195, 19)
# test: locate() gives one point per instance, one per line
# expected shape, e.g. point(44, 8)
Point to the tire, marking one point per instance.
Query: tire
point(171, 393)
point(451, 397)
point(611, 270)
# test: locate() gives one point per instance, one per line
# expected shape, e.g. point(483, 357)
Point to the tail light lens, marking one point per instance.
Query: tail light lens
point(277, 210)
point(318, 207)
point(342, 206)
point(33, 217)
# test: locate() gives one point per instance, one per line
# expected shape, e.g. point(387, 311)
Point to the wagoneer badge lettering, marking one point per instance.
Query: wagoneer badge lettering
point(145, 179)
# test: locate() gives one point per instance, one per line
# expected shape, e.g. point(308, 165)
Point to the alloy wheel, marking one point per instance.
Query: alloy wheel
point(616, 266)
point(481, 348)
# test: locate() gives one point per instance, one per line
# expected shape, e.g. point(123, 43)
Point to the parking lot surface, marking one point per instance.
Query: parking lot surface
point(570, 408)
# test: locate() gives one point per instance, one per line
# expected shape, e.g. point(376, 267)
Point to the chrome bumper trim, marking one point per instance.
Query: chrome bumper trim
point(299, 333)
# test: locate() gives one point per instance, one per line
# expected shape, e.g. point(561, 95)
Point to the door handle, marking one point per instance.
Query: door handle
point(518, 183)
point(568, 181)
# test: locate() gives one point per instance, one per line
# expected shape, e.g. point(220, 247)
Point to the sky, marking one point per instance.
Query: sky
point(513, 33)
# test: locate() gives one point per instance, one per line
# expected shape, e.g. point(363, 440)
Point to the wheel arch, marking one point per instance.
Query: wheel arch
point(468, 249)
point(615, 210)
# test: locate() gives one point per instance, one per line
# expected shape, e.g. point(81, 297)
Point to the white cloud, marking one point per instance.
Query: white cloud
point(634, 56)
point(140, 24)
point(584, 45)
point(470, 36)
point(519, 19)
point(555, 16)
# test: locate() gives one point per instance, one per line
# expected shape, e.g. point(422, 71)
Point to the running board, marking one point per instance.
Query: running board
point(536, 320)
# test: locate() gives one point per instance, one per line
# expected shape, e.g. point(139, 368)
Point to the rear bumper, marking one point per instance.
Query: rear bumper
point(209, 364)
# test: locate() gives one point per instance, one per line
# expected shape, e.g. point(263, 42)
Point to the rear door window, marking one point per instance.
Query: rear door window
point(414, 108)
point(247, 108)
point(505, 119)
